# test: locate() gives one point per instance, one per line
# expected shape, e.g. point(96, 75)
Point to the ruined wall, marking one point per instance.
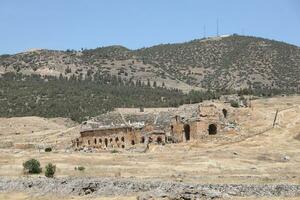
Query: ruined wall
point(196, 123)
point(109, 138)
point(158, 138)
point(209, 121)
point(196, 130)
point(118, 138)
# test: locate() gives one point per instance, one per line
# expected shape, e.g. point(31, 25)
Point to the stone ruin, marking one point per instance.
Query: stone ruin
point(125, 128)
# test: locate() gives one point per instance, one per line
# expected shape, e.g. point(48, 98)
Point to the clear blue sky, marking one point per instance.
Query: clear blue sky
point(72, 24)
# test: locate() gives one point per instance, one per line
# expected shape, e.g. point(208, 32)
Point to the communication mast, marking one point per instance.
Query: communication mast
point(217, 27)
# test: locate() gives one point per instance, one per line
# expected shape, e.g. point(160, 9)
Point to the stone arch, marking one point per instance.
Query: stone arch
point(110, 140)
point(212, 129)
point(117, 139)
point(142, 139)
point(89, 142)
point(225, 112)
point(100, 140)
point(95, 140)
point(132, 142)
point(187, 132)
point(122, 139)
point(158, 140)
point(106, 142)
point(123, 146)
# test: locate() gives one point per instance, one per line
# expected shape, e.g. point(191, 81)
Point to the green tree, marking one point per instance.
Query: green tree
point(50, 170)
point(32, 166)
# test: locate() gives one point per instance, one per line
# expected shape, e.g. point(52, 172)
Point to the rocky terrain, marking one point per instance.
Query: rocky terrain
point(230, 62)
point(144, 189)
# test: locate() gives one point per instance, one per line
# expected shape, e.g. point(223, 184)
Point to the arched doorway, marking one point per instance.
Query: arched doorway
point(158, 140)
point(142, 139)
point(225, 113)
point(132, 142)
point(187, 130)
point(212, 129)
point(106, 142)
point(172, 128)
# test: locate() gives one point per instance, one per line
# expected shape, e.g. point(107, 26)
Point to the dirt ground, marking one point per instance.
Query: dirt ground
point(257, 157)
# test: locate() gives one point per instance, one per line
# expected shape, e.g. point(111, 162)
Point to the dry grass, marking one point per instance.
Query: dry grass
point(258, 159)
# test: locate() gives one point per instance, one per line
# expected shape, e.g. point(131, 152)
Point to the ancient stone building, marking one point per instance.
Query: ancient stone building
point(114, 137)
point(209, 121)
point(125, 128)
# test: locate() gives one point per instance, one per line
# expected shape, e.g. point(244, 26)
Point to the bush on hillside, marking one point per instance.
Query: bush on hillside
point(48, 149)
point(80, 168)
point(234, 104)
point(32, 166)
point(50, 170)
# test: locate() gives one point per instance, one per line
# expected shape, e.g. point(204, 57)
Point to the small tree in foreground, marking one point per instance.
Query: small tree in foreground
point(50, 170)
point(32, 166)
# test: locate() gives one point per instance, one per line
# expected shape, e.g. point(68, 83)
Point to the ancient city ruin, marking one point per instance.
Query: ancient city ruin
point(127, 127)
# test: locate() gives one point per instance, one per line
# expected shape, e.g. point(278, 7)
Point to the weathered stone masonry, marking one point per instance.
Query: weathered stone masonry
point(189, 124)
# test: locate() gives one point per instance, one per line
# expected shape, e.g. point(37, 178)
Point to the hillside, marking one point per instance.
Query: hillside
point(231, 62)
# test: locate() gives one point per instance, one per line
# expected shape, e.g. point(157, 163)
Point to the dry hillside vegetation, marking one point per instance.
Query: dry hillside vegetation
point(225, 62)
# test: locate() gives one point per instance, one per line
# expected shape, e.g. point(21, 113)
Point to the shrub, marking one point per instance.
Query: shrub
point(32, 166)
point(80, 168)
point(48, 149)
point(114, 151)
point(50, 170)
point(234, 104)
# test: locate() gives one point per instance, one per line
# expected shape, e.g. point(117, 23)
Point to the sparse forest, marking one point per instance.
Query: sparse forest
point(78, 99)
point(86, 83)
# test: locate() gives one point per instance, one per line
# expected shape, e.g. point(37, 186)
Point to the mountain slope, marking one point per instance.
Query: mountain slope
point(231, 62)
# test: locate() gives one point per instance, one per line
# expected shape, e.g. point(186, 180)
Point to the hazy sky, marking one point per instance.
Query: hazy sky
point(73, 24)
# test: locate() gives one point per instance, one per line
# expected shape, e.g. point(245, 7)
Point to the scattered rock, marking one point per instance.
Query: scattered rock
point(286, 158)
point(147, 189)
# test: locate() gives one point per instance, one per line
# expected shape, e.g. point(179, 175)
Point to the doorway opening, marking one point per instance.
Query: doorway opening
point(225, 113)
point(212, 129)
point(187, 130)
point(106, 142)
